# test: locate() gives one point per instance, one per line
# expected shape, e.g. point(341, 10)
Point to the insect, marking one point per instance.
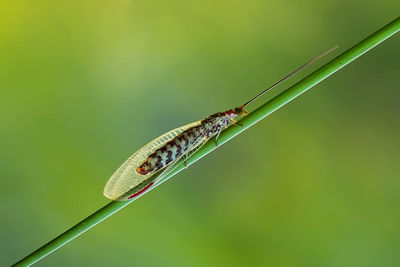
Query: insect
point(138, 173)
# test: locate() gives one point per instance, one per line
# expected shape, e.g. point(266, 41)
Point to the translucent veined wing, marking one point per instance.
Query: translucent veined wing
point(146, 184)
point(125, 177)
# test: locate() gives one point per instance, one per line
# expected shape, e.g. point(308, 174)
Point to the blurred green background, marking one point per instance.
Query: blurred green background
point(84, 84)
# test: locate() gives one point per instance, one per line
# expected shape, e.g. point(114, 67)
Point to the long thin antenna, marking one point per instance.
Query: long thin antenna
point(290, 75)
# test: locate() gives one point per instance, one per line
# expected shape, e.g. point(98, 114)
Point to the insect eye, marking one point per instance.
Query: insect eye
point(238, 111)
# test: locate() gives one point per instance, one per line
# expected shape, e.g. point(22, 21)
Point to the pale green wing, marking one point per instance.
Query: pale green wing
point(126, 177)
point(163, 172)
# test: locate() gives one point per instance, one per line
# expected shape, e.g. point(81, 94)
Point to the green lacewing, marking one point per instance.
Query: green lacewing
point(138, 173)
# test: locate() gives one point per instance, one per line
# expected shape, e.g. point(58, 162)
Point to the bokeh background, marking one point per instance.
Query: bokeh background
point(84, 84)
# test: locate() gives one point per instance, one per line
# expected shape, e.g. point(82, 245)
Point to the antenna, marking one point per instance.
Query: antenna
point(290, 75)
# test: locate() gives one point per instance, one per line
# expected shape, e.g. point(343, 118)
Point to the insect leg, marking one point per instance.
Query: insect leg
point(186, 158)
point(216, 137)
point(236, 123)
point(199, 143)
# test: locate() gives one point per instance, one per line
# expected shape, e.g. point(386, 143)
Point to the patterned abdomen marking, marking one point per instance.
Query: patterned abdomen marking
point(183, 143)
point(170, 151)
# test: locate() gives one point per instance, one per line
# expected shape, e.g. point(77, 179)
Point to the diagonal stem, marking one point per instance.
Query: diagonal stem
point(254, 117)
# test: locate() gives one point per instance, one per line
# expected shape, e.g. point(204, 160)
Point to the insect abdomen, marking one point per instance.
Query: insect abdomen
point(170, 151)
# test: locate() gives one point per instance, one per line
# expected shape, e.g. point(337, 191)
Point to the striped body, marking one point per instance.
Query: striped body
point(137, 174)
point(185, 142)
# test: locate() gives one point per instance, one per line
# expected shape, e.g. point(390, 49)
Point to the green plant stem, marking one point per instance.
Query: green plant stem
point(257, 115)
